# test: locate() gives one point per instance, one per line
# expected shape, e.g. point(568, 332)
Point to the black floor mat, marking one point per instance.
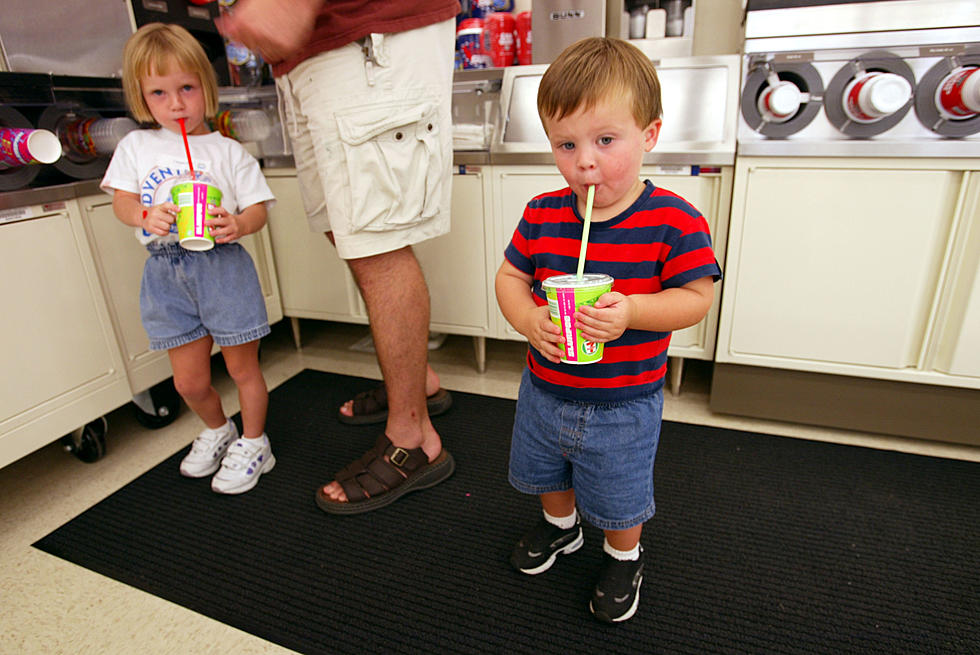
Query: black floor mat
point(761, 544)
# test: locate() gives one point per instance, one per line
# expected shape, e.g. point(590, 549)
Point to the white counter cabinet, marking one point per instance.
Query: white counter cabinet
point(316, 283)
point(855, 267)
point(313, 281)
point(119, 260)
point(62, 364)
point(460, 267)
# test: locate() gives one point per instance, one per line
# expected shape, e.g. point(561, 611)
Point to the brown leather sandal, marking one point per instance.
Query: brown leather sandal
point(371, 406)
point(383, 475)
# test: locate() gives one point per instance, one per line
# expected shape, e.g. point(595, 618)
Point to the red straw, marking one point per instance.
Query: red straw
point(183, 132)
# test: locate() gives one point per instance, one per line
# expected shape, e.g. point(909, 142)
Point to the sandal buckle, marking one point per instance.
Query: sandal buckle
point(398, 456)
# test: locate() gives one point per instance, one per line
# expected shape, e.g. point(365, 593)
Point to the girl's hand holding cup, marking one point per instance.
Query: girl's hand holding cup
point(158, 218)
point(224, 226)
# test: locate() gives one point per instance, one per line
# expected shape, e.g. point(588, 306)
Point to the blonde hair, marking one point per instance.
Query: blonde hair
point(595, 69)
point(154, 48)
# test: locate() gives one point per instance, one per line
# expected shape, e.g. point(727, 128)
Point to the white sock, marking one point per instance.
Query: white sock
point(563, 522)
point(224, 429)
point(622, 555)
point(255, 439)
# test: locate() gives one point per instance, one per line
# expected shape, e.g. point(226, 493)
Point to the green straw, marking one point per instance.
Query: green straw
point(585, 232)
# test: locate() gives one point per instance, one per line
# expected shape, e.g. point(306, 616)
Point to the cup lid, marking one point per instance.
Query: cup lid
point(573, 281)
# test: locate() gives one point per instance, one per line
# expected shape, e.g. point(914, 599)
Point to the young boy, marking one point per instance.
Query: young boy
point(587, 435)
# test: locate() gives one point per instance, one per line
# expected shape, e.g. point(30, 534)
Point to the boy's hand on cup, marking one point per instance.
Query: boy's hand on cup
point(225, 226)
point(607, 319)
point(158, 218)
point(544, 335)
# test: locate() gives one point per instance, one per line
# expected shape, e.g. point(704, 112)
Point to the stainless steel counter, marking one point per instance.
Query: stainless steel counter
point(48, 194)
point(700, 110)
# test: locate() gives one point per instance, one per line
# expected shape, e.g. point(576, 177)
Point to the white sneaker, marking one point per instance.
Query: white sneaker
point(207, 451)
point(245, 461)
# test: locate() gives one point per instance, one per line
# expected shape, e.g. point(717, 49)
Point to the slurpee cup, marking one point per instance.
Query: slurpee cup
point(192, 200)
point(566, 293)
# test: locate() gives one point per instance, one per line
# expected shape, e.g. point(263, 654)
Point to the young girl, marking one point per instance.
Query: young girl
point(190, 300)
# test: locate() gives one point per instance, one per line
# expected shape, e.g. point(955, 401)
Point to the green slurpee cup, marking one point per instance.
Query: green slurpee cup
point(565, 294)
point(192, 200)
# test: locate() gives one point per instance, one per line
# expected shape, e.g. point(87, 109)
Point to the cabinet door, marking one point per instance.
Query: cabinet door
point(259, 247)
point(835, 266)
point(709, 194)
point(455, 266)
point(120, 259)
point(962, 356)
point(313, 281)
point(62, 366)
point(513, 188)
point(958, 351)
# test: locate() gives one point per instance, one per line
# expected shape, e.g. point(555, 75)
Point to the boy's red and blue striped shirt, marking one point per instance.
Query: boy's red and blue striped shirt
point(660, 242)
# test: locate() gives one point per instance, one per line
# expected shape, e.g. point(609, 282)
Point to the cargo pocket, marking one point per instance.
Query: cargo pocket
point(394, 165)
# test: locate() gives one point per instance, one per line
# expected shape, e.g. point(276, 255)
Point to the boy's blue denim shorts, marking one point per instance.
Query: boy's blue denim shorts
point(186, 295)
point(604, 451)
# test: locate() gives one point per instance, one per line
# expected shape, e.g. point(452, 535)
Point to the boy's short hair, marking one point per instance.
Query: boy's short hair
point(592, 69)
point(155, 47)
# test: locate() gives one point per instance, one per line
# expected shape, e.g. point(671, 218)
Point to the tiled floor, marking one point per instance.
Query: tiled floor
point(50, 606)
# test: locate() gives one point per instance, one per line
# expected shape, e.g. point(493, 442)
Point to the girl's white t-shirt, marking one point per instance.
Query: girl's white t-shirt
point(148, 162)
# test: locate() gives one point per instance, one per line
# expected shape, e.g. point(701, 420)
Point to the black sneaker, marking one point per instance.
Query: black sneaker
point(537, 550)
point(617, 594)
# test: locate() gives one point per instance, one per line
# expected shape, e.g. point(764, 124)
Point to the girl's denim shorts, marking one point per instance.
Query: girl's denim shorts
point(186, 295)
point(604, 451)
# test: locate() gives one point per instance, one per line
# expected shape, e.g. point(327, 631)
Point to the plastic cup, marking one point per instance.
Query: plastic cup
point(566, 293)
point(875, 95)
point(21, 146)
point(192, 200)
point(959, 94)
point(108, 132)
point(244, 125)
point(780, 102)
point(96, 136)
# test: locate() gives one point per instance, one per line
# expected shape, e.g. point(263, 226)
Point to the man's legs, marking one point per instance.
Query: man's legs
point(432, 384)
point(397, 300)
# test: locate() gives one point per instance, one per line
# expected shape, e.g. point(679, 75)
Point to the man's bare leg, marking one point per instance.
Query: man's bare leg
point(397, 299)
point(431, 379)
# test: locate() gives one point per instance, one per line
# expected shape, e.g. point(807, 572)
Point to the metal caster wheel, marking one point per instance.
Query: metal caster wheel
point(87, 443)
point(158, 406)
